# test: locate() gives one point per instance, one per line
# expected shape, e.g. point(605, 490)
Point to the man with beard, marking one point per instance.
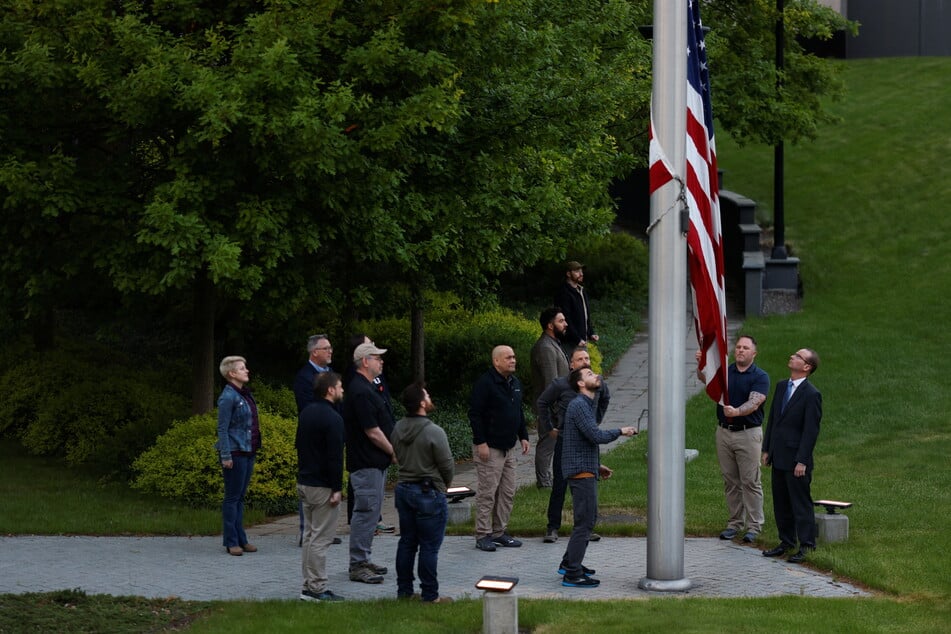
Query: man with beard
point(552, 405)
point(319, 445)
point(581, 466)
point(548, 362)
point(576, 305)
point(426, 471)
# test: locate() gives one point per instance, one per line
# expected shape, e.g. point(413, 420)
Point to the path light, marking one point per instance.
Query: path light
point(499, 604)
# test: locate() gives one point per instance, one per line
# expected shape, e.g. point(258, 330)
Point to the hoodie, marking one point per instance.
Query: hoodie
point(422, 450)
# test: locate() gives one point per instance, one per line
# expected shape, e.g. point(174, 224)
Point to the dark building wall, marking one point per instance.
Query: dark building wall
point(900, 28)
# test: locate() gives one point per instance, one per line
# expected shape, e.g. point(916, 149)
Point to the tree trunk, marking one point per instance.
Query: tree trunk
point(43, 329)
point(418, 338)
point(203, 347)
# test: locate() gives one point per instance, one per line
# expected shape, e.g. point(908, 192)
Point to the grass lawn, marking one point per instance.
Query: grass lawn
point(866, 213)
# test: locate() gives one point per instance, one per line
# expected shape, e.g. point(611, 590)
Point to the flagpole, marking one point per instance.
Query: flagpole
point(667, 312)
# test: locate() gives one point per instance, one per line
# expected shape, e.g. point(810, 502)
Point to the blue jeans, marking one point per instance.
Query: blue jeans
point(423, 518)
point(236, 479)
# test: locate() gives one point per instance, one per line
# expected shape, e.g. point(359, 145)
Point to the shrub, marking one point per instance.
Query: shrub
point(102, 421)
point(276, 400)
point(24, 387)
point(458, 347)
point(616, 265)
point(183, 464)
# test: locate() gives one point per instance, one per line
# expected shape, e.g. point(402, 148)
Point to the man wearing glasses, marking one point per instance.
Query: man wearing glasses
point(319, 355)
point(788, 444)
point(369, 425)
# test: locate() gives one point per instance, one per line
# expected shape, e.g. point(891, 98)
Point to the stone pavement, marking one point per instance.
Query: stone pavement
point(198, 567)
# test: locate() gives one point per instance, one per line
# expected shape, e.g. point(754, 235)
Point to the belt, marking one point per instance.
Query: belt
point(738, 426)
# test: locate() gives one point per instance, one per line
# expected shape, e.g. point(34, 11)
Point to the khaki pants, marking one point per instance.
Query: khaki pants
point(320, 525)
point(739, 454)
point(496, 491)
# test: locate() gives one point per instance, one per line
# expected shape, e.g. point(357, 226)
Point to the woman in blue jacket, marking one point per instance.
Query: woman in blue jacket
point(239, 438)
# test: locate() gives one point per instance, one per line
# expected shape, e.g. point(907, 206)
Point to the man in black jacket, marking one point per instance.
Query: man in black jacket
point(575, 304)
point(319, 445)
point(788, 443)
point(498, 424)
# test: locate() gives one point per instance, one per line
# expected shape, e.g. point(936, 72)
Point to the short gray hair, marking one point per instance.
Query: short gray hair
point(313, 340)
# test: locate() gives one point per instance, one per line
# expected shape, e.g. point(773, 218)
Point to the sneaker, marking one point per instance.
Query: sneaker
point(385, 528)
point(363, 574)
point(749, 538)
point(729, 533)
point(551, 537)
point(580, 582)
point(594, 537)
point(326, 595)
point(587, 572)
point(486, 544)
point(440, 600)
point(380, 570)
point(506, 540)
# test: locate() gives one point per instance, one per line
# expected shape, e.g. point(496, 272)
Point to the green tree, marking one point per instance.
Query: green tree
point(753, 100)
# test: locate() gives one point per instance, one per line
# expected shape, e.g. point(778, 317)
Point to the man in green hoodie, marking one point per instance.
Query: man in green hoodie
point(426, 468)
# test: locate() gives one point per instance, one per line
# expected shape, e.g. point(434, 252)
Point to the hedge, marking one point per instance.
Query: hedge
point(183, 464)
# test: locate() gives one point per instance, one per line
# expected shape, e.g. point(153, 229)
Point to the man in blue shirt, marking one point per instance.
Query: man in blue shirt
point(581, 466)
point(739, 438)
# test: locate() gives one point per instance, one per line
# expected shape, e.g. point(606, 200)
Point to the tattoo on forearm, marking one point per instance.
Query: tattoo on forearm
point(752, 404)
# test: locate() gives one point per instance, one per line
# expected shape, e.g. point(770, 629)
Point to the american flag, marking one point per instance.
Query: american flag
point(704, 237)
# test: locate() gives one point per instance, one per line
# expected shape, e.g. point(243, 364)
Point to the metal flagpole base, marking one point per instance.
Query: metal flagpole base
point(664, 585)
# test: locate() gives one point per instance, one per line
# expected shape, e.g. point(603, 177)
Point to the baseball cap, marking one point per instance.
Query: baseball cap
point(364, 350)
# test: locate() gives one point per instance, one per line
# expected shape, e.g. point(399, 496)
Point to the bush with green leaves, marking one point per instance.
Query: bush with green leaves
point(103, 411)
point(183, 464)
point(615, 266)
point(277, 400)
point(458, 346)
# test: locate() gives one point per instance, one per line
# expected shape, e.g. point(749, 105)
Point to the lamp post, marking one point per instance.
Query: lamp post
point(779, 215)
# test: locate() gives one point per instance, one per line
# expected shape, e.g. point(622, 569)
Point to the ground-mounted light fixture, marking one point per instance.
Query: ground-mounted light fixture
point(458, 494)
point(499, 604)
point(491, 583)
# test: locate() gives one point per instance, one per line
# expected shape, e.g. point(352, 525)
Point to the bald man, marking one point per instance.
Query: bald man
point(498, 427)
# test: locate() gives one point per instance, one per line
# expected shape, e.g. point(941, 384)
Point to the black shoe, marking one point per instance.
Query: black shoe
point(580, 582)
point(587, 572)
point(337, 540)
point(506, 540)
point(486, 544)
point(776, 552)
point(800, 555)
point(729, 533)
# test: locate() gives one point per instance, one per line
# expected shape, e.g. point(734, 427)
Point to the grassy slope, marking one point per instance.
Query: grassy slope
point(866, 210)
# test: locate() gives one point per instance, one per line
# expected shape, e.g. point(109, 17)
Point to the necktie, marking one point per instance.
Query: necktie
point(789, 391)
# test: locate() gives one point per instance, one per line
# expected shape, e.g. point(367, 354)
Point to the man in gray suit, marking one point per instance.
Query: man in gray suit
point(788, 443)
point(548, 363)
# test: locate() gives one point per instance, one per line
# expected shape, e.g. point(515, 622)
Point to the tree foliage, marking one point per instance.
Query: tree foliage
point(753, 100)
point(264, 160)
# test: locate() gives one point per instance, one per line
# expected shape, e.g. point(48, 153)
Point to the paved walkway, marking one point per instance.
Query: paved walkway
point(193, 568)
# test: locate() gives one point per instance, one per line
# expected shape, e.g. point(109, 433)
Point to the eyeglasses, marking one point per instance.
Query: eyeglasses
point(324, 348)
